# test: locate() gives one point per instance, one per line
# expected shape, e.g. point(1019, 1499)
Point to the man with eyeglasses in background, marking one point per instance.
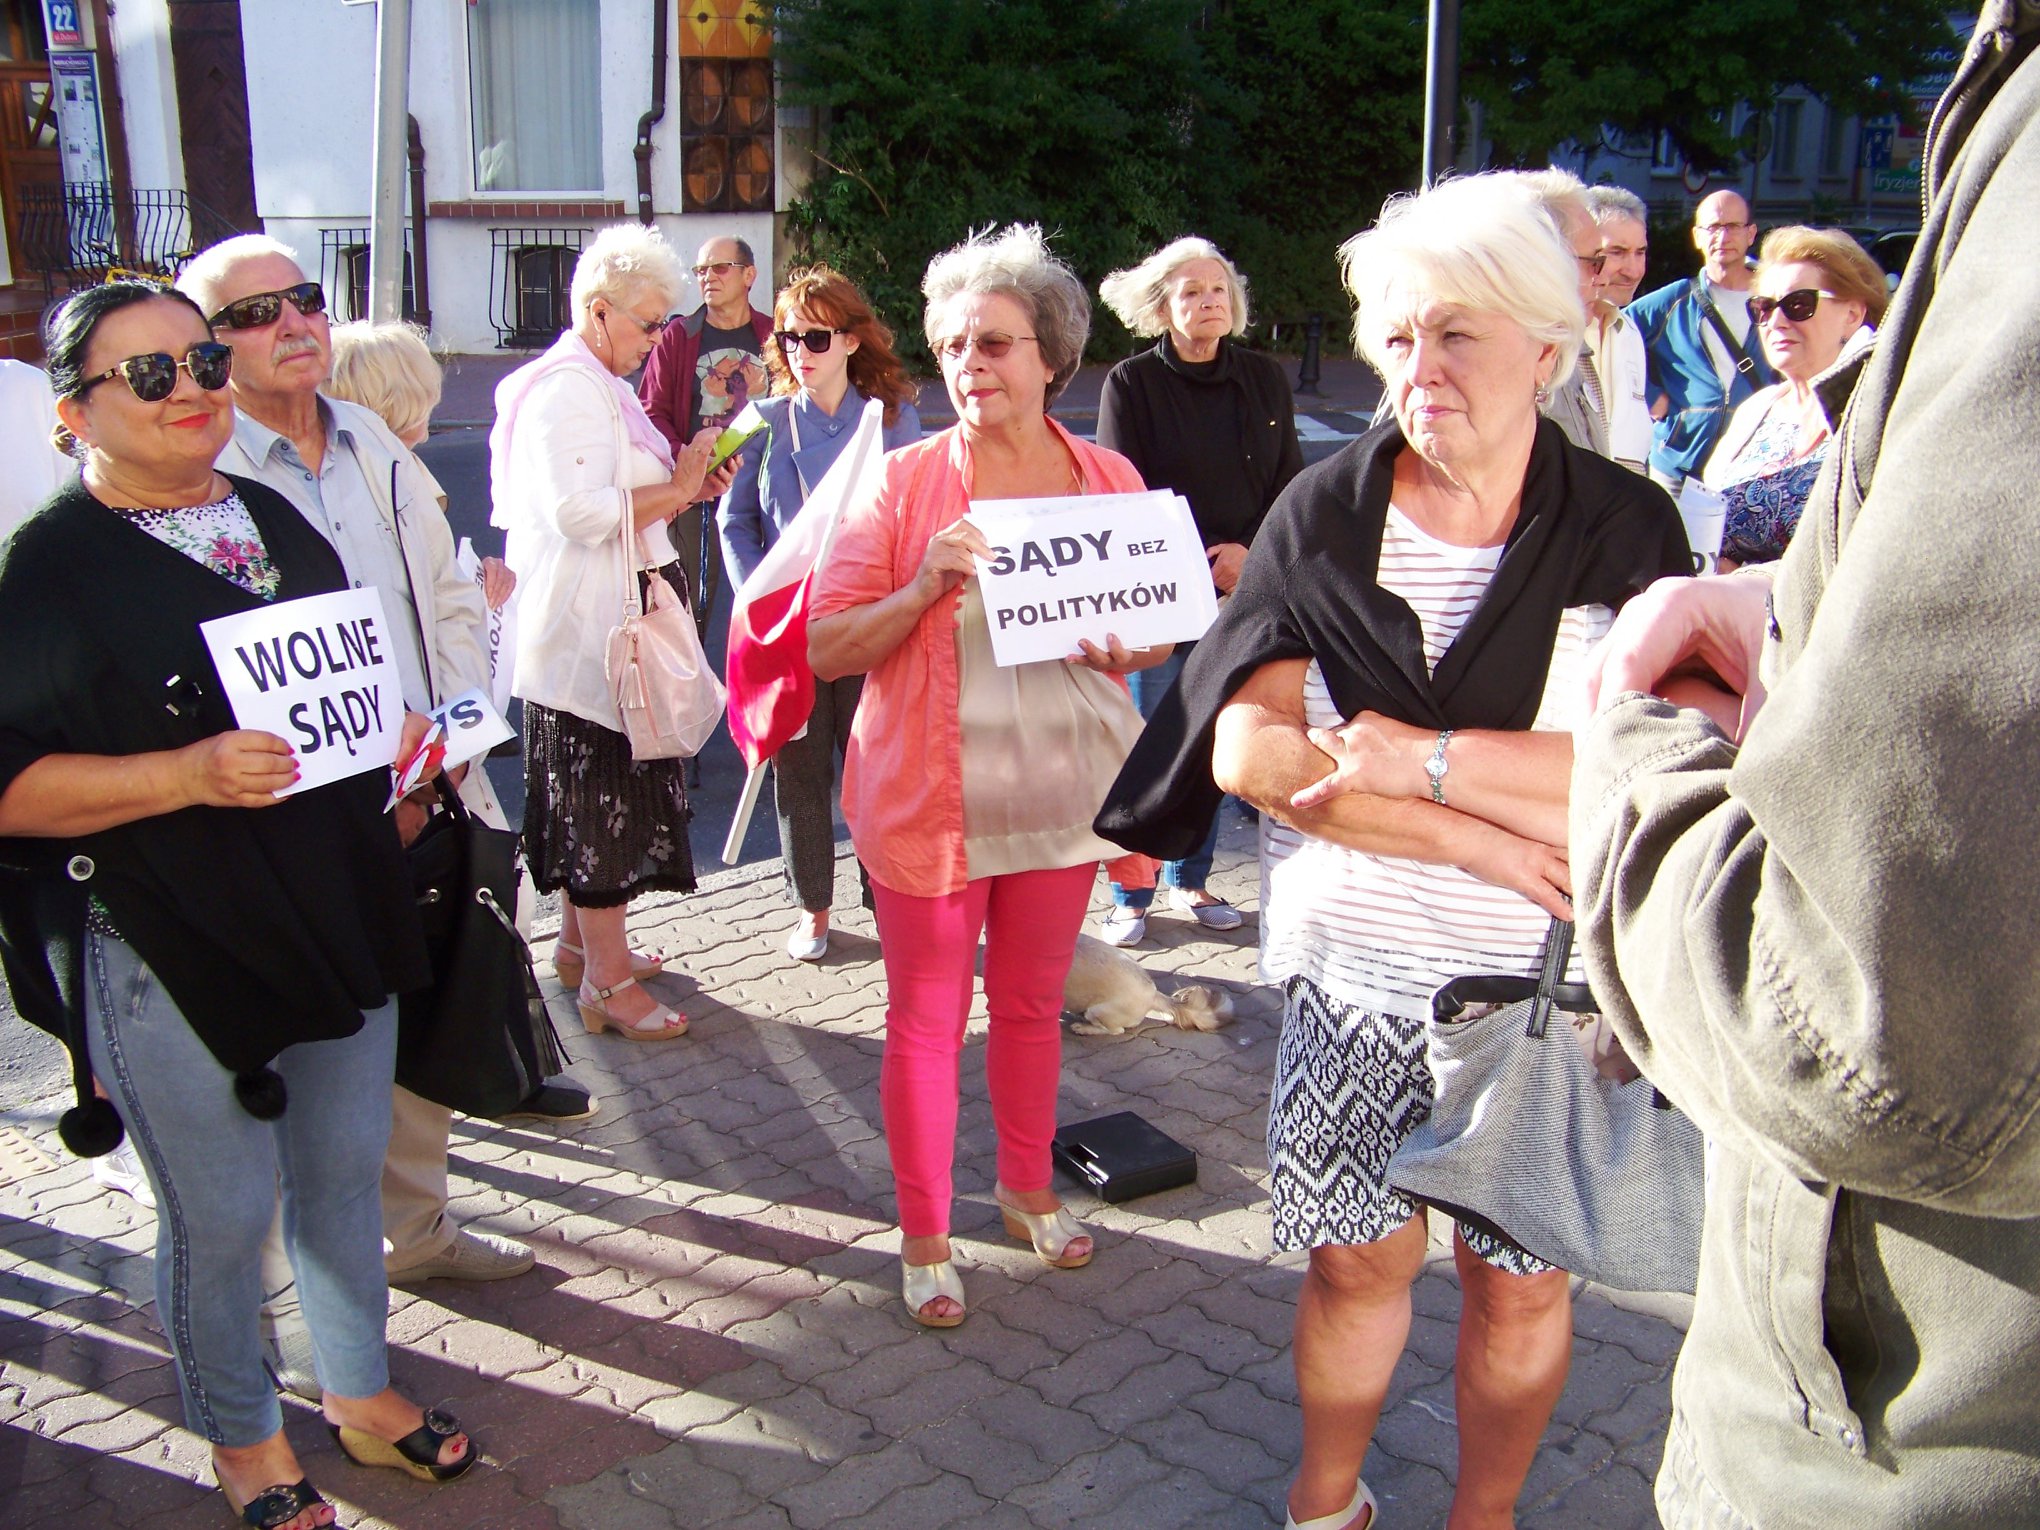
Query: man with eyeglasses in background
point(704, 369)
point(1614, 344)
point(1702, 352)
point(358, 485)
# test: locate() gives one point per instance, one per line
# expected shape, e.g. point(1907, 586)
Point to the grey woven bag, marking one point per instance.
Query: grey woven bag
point(1534, 1140)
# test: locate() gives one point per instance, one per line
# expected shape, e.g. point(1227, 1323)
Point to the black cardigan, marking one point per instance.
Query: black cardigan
point(1590, 532)
point(266, 926)
point(1158, 411)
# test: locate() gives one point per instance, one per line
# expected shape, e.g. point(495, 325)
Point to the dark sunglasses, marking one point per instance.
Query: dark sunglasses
point(262, 308)
point(154, 377)
point(991, 347)
point(816, 340)
point(1797, 306)
point(653, 328)
point(1593, 263)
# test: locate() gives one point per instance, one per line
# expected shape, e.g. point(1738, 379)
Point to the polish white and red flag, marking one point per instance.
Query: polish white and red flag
point(772, 690)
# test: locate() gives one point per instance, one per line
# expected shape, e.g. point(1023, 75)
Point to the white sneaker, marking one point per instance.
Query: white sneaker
point(1213, 916)
point(1124, 926)
point(121, 1172)
point(803, 947)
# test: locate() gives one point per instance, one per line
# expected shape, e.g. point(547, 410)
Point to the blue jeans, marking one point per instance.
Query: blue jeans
point(1149, 686)
point(215, 1171)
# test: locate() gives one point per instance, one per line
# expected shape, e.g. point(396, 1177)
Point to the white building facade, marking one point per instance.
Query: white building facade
point(536, 122)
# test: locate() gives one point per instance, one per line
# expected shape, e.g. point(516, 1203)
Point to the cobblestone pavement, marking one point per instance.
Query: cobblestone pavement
point(713, 1335)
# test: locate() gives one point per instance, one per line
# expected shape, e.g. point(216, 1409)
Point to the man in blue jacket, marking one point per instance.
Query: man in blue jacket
point(1701, 352)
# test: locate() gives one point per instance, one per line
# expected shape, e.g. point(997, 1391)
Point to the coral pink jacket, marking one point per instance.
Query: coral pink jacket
point(903, 777)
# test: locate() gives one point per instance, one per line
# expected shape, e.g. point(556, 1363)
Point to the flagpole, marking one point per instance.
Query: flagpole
point(740, 825)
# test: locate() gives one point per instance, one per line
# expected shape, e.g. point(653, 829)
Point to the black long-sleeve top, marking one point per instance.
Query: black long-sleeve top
point(1221, 433)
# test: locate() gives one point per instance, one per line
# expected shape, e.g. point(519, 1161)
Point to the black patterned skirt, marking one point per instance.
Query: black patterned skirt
point(598, 824)
point(1350, 1085)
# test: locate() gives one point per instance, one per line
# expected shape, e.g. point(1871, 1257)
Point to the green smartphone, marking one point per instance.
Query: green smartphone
point(746, 425)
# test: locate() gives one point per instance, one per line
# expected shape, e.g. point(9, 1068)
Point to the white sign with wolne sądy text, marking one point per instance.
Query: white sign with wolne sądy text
point(319, 674)
point(1128, 565)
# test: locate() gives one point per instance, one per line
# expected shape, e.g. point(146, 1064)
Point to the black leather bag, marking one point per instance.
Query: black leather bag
point(1120, 1156)
point(479, 1039)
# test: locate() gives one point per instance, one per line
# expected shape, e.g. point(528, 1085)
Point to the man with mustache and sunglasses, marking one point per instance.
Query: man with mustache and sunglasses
point(1700, 348)
point(380, 507)
point(704, 369)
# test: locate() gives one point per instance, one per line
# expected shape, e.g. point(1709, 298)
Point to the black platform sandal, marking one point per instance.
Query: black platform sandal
point(277, 1505)
point(416, 1453)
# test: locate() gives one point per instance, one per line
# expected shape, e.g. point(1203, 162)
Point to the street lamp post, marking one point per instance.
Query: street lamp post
point(1441, 91)
point(392, 143)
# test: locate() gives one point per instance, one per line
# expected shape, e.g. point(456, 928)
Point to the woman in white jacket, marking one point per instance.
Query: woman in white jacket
point(572, 455)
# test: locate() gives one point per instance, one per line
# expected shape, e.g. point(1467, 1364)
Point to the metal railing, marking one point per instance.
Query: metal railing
point(77, 232)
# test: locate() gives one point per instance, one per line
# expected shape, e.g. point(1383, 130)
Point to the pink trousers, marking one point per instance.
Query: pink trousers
point(1030, 922)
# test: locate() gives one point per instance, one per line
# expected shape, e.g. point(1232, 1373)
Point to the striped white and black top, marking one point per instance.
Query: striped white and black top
point(1383, 932)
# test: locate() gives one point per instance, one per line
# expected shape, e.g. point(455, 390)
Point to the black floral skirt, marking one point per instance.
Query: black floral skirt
point(598, 824)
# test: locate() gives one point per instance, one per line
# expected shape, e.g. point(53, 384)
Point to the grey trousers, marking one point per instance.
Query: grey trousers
point(803, 776)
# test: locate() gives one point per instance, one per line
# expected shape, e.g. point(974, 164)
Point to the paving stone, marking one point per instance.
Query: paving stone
point(714, 1336)
point(856, 1487)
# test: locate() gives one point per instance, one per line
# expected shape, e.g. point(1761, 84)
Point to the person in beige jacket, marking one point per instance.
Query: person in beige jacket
point(359, 485)
point(1808, 896)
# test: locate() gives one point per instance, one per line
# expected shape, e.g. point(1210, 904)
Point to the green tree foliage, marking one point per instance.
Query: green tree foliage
point(1312, 115)
point(947, 115)
point(1549, 74)
point(1275, 127)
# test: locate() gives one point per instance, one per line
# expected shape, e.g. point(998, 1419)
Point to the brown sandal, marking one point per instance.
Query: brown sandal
point(596, 1016)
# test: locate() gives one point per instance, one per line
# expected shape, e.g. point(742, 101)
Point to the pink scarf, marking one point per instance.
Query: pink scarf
point(567, 351)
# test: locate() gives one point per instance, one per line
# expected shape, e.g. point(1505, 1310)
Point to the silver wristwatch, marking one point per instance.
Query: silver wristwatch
point(1435, 767)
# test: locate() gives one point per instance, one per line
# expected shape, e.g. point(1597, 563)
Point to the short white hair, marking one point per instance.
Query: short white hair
point(204, 277)
point(1606, 202)
point(626, 263)
point(1018, 263)
point(1479, 242)
point(1139, 295)
point(1564, 196)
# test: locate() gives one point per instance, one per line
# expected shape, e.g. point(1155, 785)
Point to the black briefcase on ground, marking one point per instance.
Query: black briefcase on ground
point(1120, 1156)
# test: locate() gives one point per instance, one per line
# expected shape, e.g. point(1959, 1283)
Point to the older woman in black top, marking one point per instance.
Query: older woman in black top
point(224, 961)
point(1199, 415)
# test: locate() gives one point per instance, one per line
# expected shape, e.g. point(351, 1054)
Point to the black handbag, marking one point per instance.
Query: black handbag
point(1549, 1142)
point(1118, 1157)
point(480, 1039)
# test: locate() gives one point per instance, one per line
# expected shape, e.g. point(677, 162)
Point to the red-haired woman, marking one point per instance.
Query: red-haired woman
point(829, 355)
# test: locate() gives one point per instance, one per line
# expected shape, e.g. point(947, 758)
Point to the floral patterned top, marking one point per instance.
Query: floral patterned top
point(221, 535)
point(1766, 486)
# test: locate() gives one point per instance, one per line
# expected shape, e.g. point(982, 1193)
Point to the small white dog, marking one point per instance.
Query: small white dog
point(1115, 995)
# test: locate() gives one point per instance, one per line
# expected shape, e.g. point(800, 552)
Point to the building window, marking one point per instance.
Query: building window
point(535, 79)
point(1665, 158)
point(1834, 142)
point(343, 268)
point(532, 271)
point(726, 160)
point(1785, 139)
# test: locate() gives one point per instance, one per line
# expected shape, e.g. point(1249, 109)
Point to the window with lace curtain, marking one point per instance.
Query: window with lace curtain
point(535, 79)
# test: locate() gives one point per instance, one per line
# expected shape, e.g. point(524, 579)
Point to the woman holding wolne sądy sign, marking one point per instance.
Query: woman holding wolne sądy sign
point(970, 788)
point(224, 962)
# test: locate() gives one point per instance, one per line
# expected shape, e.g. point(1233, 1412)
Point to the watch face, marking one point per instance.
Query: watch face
point(1434, 767)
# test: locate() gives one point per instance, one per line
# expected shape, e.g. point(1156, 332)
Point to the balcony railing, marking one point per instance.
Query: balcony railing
point(78, 232)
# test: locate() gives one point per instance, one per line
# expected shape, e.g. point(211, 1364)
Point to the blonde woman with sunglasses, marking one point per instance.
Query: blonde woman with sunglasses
point(829, 356)
point(1815, 295)
point(576, 465)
